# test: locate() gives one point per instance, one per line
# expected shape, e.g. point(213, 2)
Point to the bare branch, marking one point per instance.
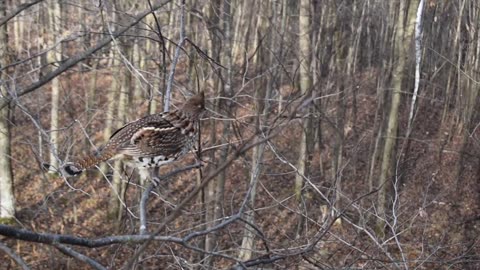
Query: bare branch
point(14, 256)
point(19, 9)
point(79, 256)
point(49, 238)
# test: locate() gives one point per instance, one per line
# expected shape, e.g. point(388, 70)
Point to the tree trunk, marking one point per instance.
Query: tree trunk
point(117, 191)
point(305, 54)
point(18, 27)
point(125, 47)
point(170, 33)
point(281, 53)
point(226, 58)
point(403, 36)
point(213, 11)
point(54, 57)
point(112, 96)
point(262, 94)
point(340, 70)
point(7, 199)
point(139, 63)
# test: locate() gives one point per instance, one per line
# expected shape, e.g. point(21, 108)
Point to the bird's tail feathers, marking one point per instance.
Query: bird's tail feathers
point(71, 169)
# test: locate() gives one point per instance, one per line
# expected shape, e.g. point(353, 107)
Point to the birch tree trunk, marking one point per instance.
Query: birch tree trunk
point(7, 200)
point(54, 57)
point(138, 60)
point(18, 27)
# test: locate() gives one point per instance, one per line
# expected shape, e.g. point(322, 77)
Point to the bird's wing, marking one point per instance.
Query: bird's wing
point(152, 138)
point(135, 125)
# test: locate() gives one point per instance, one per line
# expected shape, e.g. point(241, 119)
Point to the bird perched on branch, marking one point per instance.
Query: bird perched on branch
point(151, 141)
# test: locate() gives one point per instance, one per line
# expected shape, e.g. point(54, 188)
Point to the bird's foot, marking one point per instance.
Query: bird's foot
point(155, 181)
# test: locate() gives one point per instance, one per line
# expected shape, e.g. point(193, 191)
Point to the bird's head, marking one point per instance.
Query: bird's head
point(195, 106)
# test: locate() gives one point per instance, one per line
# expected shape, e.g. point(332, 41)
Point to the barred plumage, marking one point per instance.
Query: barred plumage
point(150, 141)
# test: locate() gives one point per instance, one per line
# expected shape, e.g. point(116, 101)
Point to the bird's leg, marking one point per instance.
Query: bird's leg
point(200, 162)
point(155, 176)
point(145, 175)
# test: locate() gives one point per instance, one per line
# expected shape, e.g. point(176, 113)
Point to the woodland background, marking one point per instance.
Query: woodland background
point(313, 156)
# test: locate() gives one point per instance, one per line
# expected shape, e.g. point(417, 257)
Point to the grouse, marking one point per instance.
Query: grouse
point(151, 141)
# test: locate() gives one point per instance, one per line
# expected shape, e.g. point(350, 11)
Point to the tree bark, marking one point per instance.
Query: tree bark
point(7, 199)
point(125, 47)
point(213, 11)
point(116, 196)
point(54, 57)
point(18, 27)
point(305, 54)
point(262, 95)
point(403, 36)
